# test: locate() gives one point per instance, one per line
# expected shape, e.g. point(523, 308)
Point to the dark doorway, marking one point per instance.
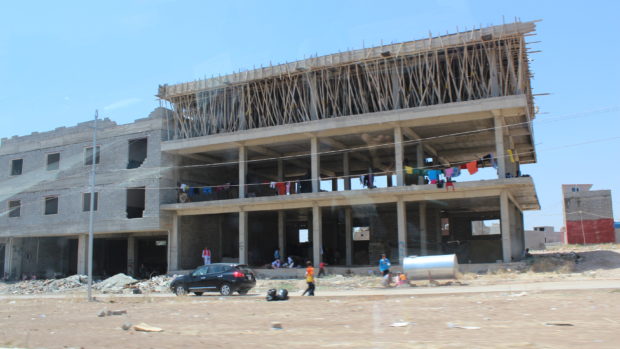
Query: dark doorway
point(2, 247)
point(73, 254)
point(152, 256)
point(109, 257)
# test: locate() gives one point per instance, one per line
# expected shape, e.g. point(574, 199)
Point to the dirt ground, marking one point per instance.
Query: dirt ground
point(558, 319)
point(486, 311)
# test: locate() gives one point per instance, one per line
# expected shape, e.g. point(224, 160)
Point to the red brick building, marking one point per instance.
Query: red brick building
point(588, 215)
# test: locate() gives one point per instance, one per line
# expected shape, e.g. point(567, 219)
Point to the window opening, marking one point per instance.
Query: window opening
point(485, 227)
point(135, 202)
point(86, 202)
point(53, 161)
point(51, 205)
point(15, 208)
point(303, 235)
point(137, 152)
point(88, 155)
point(16, 167)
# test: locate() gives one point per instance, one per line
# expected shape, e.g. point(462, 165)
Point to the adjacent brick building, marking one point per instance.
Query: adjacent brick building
point(588, 215)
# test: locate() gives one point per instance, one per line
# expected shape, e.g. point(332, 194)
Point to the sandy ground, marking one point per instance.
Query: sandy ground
point(570, 305)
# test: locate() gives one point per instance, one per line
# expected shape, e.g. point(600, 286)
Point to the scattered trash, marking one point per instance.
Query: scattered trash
point(273, 295)
point(276, 326)
point(399, 324)
point(126, 326)
point(518, 294)
point(558, 324)
point(102, 313)
point(146, 328)
point(453, 325)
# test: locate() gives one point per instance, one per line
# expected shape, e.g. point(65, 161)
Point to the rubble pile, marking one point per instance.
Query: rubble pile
point(70, 283)
point(115, 284)
point(156, 284)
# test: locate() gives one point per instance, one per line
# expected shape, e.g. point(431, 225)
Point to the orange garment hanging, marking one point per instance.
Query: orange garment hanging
point(472, 167)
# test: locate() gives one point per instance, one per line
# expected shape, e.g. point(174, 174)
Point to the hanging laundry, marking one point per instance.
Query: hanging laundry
point(184, 187)
point(463, 167)
point(457, 172)
point(472, 167)
point(433, 175)
point(272, 185)
point(448, 172)
point(281, 188)
point(288, 188)
point(371, 181)
point(408, 170)
point(190, 191)
point(493, 161)
point(434, 181)
point(512, 159)
point(206, 190)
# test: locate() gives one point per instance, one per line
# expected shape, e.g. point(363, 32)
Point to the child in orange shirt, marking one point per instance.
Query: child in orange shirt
point(309, 279)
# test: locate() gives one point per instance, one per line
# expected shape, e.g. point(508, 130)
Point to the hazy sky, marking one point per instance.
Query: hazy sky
point(61, 60)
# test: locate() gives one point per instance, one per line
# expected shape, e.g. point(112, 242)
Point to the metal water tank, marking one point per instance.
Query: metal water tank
point(431, 267)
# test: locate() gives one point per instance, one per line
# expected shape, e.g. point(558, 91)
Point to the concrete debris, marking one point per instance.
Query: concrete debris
point(126, 326)
point(146, 328)
point(102, 313)
point(276, 326)
point(71, 283)
point(115, 284)
point(116, 312)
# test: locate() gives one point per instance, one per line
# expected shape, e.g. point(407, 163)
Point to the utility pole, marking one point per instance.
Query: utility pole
point(91, 216)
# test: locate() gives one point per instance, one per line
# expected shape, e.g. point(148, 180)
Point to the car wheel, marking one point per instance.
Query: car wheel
point(243, 291)
point(198, 293)
point(225, 290)
point(180, 291)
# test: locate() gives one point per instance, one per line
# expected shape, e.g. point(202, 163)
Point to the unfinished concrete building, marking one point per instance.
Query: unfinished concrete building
point(45, 199)
point(588, 215)
point(343, 157)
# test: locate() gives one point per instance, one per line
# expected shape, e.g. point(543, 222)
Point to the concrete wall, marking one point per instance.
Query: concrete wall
point(589, 217)
point(71, 180)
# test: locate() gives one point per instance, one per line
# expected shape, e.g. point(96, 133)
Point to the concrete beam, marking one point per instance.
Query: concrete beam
point(243, 170)
point(282, 233)
point(399, 156)
point(243, 237)
point(348, 237)
point(499, 146)
point(411, 134)
point(505, 226)
point(315, 164)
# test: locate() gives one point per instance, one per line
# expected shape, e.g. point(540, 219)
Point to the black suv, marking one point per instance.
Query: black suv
point(223, 277)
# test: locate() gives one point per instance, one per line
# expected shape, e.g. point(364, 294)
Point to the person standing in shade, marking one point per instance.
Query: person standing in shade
point(206, 255)
point(276, 254)
point(309, 279)
point(321, 269)
point(384, 268)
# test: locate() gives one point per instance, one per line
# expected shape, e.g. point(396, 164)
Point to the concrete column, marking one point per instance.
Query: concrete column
point(173, 244)
point(500, 153)
point(311, 81)
point(282, 234)
point(423, 230)
point(504, 207)
point(243, 169)
point(398, 151)
point(131, 255)
point(243, 237)
point(389, 180)
point(82, 254)
point(314, 161)
point(347, 174)
point(9, 264)
point(420, 160)
point(348, 237)
point(317, 241)
point(334, 184)
point(401, 218)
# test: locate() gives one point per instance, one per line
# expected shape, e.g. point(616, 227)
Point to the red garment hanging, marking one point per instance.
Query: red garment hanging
point(281, 188)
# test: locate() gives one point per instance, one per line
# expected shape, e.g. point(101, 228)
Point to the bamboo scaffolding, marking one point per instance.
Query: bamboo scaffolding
point(468, 71)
